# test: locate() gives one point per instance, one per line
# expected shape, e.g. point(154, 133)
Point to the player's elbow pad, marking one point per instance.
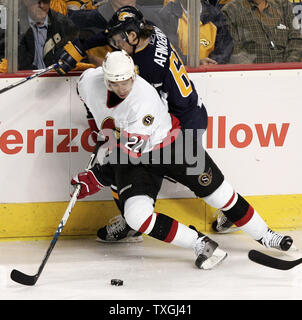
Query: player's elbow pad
point(73, 49)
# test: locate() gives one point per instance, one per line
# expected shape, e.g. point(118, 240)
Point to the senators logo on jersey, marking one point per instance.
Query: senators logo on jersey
point(148, 120)
point(205, 178)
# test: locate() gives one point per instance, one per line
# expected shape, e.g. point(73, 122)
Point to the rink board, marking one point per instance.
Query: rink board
point(253, 135)
point(40, 220)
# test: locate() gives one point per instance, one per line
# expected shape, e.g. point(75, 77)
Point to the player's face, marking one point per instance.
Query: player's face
point(121, 88)
point(120, 42)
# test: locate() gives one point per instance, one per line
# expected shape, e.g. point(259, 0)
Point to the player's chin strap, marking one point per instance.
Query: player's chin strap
point(134, 46)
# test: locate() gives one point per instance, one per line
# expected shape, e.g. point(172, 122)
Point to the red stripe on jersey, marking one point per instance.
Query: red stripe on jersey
point(172, 232)
point(229, 202)
point(172, 134)
point(145, 225)
point(247, 217)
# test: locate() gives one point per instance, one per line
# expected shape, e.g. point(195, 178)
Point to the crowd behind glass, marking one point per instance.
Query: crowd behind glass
point(231, 31)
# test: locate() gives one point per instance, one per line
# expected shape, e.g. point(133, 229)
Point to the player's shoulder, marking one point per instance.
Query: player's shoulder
point(156, 52)
point(91, 77)
point(144, 99)
point(90, 81)
point(92, 73)
point(144, 90)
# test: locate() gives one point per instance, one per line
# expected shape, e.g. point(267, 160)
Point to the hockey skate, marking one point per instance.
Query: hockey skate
point(223, 224)
point(276, 240)
point(118, 231)
point(207, 252)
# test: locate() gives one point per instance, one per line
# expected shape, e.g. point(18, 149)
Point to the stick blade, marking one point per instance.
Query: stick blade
point(23, 278)
point(272, 262)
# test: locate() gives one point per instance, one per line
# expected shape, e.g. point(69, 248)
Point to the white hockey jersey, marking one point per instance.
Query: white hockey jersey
point(142, 118)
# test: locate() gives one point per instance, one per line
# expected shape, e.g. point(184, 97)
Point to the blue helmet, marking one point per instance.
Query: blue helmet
point(124, 20)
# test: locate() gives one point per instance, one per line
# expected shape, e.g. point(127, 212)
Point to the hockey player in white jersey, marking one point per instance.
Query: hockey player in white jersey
point(127, 105)
point(124, 103)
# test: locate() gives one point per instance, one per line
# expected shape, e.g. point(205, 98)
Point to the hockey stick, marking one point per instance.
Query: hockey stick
point(29, 280)
point(35, 75)
point(272, 262)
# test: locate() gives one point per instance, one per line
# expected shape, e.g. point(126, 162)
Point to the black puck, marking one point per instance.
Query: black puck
point(117, 282)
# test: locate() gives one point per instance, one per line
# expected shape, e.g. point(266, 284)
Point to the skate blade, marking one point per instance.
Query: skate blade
point(124, 240)
point(292, 248)
point(217, 257)
point(230, 230)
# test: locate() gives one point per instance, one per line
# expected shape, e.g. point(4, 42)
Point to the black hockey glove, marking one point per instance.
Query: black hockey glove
point(68, 59)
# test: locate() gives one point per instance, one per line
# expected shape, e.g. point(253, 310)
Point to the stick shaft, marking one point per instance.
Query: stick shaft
point(60, 228)
point(35, 75)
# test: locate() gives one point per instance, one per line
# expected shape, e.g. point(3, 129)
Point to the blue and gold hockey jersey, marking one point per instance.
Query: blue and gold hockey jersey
point(159, 64)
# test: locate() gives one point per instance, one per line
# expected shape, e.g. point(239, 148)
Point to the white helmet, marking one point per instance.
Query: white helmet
point(118, 66)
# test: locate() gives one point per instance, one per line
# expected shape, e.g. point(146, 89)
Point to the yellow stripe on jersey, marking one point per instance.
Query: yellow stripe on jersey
point(142, 47)
point(99, 52)
point(72, 51)
point(114, 194)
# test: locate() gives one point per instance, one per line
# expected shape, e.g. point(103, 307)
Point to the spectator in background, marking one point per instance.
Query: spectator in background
point(216, 43)
point(263, 31)
point(43, 32)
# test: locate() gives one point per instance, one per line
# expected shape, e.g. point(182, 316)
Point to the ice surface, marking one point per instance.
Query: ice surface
point(82, 269)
